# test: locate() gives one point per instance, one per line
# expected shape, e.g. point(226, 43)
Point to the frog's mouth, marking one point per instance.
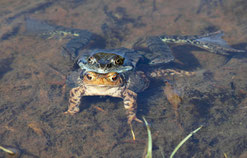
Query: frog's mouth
point(97, 79)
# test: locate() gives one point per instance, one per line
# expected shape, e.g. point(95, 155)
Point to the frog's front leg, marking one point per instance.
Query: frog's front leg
point(75, 100)
point(79, 39)
point(129, 99)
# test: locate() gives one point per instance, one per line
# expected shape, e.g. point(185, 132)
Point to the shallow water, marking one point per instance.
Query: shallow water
point(34, 95)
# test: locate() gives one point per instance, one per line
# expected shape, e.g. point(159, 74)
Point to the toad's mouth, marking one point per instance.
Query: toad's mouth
point(97, 79)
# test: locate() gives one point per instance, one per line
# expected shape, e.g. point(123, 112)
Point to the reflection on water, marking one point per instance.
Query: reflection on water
point(34, 95)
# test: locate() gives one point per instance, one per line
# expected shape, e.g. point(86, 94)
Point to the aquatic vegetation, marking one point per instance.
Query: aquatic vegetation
point(184, 140)
point(148, 149)
point(11, 151)
point(148, 154)
point(225, 155)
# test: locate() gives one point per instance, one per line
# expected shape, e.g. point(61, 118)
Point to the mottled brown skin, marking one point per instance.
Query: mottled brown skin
point(110, 84)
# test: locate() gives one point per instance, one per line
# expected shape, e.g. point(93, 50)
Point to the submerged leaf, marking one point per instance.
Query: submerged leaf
point(173, 97)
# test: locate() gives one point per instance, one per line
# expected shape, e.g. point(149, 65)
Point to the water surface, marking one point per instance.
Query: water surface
point(34, 95)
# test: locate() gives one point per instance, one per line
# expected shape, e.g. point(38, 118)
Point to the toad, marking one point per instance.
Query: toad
point(122, 85)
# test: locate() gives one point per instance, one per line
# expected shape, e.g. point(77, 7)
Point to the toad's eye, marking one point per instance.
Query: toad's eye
point(89, 77)
point(114, 77)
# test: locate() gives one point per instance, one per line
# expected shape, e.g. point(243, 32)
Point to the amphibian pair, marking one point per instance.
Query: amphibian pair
point(112, 72)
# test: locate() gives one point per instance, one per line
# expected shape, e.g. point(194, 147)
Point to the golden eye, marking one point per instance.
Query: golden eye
point(90, 76)
point(114, 77)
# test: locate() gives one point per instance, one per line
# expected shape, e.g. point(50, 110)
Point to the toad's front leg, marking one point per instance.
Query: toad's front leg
point(129, 99)
point(75, 100)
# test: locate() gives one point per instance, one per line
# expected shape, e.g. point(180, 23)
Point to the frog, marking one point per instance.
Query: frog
point(114, 72)
point(121, 59)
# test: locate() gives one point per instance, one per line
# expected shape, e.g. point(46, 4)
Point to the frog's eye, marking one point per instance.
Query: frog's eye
point(91, 60)
point(119, 62)
point(113, 77)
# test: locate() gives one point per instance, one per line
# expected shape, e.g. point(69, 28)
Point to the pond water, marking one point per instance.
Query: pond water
point(34, 94)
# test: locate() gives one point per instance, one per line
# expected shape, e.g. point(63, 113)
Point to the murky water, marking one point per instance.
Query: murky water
point(34, 95)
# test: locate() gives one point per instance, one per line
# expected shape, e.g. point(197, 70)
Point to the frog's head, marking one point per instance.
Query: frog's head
point(97, 79)
point(104, 62)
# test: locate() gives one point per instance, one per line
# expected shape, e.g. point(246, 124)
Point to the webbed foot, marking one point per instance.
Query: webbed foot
point(80, 39)
point(72, 111)
point(133, 118)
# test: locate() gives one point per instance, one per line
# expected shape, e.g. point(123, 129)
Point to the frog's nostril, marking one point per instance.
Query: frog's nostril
point(103, 65)
point(109, 65)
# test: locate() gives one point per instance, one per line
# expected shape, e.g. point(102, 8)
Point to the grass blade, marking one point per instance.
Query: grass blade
point(183, 141)
point(7, 150)
point(149, 145)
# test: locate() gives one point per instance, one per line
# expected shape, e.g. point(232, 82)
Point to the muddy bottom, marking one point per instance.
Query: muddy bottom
point(34, 94)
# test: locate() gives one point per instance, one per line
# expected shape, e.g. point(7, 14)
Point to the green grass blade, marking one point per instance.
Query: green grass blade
point(183, 141)
point(7, 150)
point(149, 146)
